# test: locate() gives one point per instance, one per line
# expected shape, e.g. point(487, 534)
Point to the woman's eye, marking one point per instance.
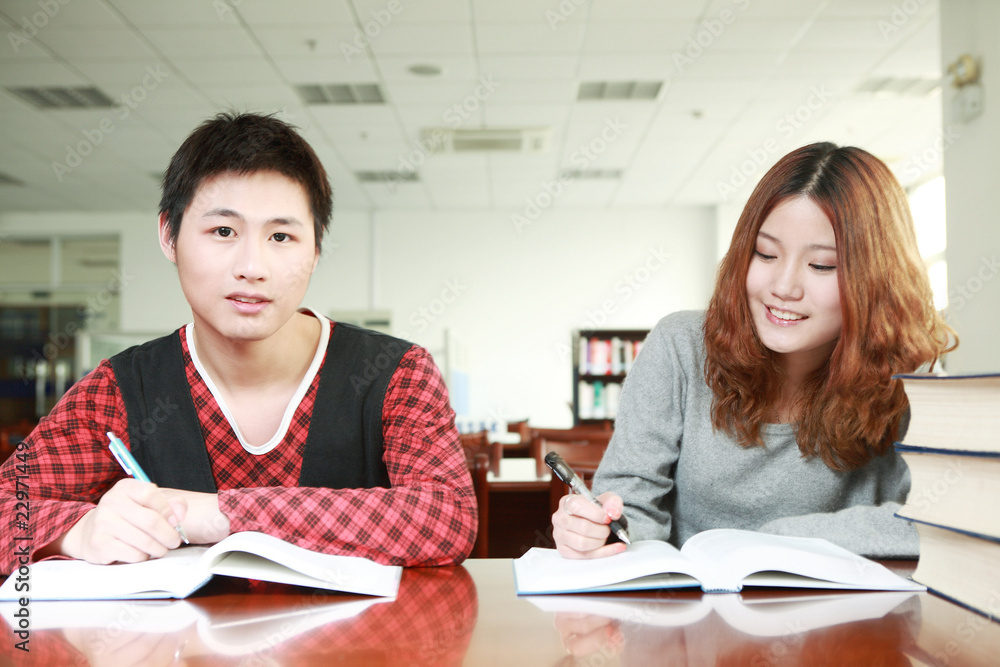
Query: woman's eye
point(822, 268)
point(281, 237)
point(224, 231)
point(762, 255)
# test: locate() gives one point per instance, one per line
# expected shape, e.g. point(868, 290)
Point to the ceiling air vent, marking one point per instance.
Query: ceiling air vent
point(9, 180)
point(61, 97)
point(340, 93)
point(619, 90)
point(899, 86)
point(383, 176)
point(511, 140)
point(591, 174)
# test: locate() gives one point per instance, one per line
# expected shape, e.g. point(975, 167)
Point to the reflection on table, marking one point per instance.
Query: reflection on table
point(235, 622)
point(470, 615)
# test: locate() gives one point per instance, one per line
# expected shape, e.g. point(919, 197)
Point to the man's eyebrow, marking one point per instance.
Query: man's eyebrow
point(811, 246)
point(223, 212)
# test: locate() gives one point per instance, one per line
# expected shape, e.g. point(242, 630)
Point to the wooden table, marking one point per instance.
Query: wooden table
point(470, 615)
point(519, 508)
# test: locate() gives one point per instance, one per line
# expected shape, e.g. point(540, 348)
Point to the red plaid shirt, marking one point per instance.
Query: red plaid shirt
point(428, 517)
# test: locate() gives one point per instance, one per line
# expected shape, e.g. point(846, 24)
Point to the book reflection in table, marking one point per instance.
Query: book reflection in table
point(429, 623)
point(757, 628)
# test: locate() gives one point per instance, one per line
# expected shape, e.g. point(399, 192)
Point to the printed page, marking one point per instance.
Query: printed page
point(260, 556)
point(734, 555)
point(176, 574)
point(541, 571)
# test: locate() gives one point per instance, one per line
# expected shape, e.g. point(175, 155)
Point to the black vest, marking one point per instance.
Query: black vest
point(344, 447)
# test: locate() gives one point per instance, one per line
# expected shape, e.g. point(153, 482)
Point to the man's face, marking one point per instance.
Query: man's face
point(245, 253)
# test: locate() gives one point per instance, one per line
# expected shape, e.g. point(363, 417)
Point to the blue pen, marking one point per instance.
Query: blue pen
point(131, 468)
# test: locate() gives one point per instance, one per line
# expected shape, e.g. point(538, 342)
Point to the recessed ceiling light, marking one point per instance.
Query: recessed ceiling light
point(424, 70)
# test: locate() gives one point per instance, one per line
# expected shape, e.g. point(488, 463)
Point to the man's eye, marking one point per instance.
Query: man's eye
point(281, 237)
point(224, 231)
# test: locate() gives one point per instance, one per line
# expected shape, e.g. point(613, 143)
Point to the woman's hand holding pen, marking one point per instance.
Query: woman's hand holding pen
point(581, 529)
point(133, 521)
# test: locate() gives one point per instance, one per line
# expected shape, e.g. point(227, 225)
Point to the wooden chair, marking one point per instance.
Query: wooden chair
point(582, 456)
point(482, 457)
point(540, 438)
point(479, 442)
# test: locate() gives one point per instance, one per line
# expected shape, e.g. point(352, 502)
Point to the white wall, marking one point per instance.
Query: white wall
point(972, 177)
point(512, 297)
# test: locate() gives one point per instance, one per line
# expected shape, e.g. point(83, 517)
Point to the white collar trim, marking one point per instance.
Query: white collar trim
point(293, 404)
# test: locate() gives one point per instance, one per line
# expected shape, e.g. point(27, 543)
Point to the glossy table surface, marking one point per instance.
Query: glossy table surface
point(470, 615)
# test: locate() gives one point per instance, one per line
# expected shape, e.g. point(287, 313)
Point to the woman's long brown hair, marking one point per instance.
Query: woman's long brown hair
point(850, 409)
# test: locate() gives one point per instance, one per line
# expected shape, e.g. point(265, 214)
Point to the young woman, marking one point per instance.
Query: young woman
point(776, 410)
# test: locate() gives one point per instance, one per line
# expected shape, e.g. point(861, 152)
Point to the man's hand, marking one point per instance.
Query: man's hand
point(133, 521)
point(204, 523)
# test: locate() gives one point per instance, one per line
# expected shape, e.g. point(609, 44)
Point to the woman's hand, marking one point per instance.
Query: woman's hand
point(581, 528)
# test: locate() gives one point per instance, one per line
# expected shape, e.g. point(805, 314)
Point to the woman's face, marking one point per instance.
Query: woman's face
point(792, 287)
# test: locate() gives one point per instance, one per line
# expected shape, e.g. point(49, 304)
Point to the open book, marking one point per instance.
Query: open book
point(249, 555)
point(720, 561)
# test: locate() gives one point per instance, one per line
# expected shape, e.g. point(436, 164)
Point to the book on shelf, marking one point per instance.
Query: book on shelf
point(719, 560)
point(598, 400)
point(953, 412)
point(183, 571)
point(961, 566)
point(606, 356)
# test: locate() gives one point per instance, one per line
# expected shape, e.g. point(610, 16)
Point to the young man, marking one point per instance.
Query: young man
point(258, 415)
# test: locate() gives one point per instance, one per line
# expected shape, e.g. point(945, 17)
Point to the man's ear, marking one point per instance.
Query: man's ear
point(167, 243)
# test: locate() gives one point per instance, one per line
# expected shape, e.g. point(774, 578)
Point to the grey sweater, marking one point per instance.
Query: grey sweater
point(677, 476)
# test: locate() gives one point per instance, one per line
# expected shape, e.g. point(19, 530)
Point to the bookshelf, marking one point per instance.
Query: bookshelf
point(601, 360)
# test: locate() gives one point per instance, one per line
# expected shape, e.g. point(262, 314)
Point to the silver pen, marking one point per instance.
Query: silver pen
point(562, 470)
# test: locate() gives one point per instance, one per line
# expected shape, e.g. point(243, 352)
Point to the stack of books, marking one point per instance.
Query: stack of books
point(952, 447)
